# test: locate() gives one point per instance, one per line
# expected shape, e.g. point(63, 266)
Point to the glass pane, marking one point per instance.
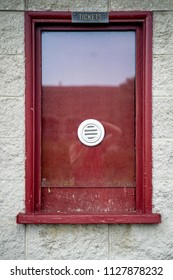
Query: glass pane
point(88, 75)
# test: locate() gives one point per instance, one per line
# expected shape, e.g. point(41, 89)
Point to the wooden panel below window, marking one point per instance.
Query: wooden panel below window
point(80, 200)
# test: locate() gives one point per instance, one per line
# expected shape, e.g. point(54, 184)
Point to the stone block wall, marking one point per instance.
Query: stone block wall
point(82, 241)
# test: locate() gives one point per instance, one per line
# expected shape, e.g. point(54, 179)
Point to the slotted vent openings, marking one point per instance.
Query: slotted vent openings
point(91, 132)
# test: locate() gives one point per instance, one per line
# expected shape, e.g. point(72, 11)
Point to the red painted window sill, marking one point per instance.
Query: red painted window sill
point(135, 218)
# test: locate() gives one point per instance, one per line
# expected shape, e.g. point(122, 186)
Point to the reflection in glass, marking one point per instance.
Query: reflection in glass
point(88, 75)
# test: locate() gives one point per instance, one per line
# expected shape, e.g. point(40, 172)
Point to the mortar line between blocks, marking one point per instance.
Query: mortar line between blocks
point(25, 5)
point(109, 242)
point(26, 253)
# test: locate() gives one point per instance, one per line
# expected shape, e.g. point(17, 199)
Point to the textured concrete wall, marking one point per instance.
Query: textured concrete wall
point(83, 241)
point(12, 236)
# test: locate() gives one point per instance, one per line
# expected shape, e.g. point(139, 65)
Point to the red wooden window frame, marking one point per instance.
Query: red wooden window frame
point(142, 23)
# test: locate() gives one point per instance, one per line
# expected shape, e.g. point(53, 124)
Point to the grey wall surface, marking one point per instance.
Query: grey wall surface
point(82, 241)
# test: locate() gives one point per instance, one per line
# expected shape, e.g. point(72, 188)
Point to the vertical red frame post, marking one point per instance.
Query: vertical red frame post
point(148, 116)
point(29, 117)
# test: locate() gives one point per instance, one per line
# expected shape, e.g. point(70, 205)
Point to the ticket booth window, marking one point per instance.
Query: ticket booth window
point(88, 120)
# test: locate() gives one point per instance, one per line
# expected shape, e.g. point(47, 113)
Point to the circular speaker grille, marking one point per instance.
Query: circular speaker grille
point(91, 132)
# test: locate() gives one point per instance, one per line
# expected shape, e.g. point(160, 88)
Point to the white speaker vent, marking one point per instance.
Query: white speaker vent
point(91, 132)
